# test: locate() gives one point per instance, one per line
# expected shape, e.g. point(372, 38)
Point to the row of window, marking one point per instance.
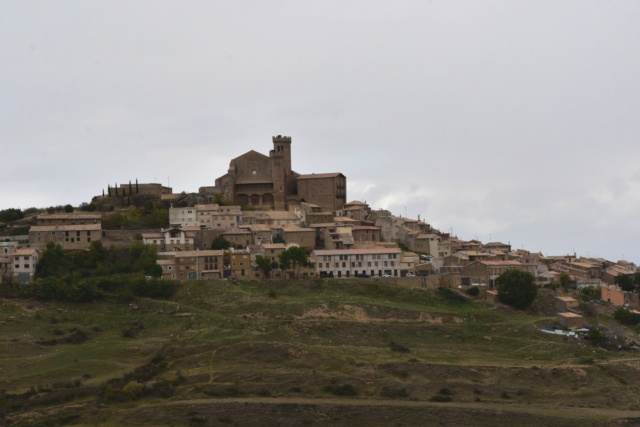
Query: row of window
point(75, 239)
point(360, 257)
point(358, 264)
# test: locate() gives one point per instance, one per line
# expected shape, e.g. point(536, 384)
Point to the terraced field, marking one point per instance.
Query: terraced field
point(326, 352)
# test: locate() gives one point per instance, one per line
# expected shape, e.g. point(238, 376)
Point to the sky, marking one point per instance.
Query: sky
point(510, 121)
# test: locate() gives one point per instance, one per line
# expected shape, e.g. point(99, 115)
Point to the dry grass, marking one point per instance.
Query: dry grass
point(307, 353)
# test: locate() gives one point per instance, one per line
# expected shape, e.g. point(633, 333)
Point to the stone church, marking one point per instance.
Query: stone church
point(268, 182)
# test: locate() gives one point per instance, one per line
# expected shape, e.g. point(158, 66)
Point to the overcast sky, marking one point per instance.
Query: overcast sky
point(512, 121)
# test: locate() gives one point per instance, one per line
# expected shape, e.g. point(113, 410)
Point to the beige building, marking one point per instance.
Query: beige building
point(173, 239)
point(270, 218)
point(241, 263)
point(7, 249)
point(211, 216)
point(355, 210)
point(69, 230)
point(372, 262)
point(366, 233)
point(24, 264)
point(569, 320)
point(486, 272)
point(564, 304)
point(294, 235)
point(199, 265)
point(578, 270)
point(327, 190)
point(269, 183)
point(239, 237)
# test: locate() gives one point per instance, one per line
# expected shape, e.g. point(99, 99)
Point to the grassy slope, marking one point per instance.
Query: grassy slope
point(315, 353)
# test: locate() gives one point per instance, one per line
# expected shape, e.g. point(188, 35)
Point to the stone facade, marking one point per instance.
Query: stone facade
point(268, 182)
point(69, 230)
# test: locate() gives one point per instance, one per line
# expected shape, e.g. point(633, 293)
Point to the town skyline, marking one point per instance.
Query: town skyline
point(509, 122)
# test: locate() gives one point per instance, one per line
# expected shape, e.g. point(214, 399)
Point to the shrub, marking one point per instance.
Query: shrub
point(451, 296)
point(341, 390)
point(473, 291)
point(626, 317)
point(394, 346)
point(133, 389)
point(154, 288)
point(440, 398)
point(393, 392)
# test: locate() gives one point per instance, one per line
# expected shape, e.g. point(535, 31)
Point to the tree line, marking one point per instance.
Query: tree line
point(97, 273)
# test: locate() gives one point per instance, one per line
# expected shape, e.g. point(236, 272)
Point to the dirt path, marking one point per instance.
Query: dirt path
point(576, 413)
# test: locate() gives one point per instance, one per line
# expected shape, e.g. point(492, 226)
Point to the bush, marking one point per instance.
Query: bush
point(451, 296)
point(394, 346)
point(517, 288)
point(393, 392)
point(154, 288)
point(626, 317)
point(439, 398)
point(341, 390)
point(133, 389)
point(473, 291)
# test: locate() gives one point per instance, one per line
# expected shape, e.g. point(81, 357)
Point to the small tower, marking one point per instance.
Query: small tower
point(281, 170)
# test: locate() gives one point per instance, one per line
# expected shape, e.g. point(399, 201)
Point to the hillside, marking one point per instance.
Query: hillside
point(324, 352)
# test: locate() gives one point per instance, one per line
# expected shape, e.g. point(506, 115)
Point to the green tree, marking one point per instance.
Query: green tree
point(294, 258)
point(626, 282)
point(52, 262)
point(590, 293)
point(220, 243)
point(220, 200)
point(596, 337)
point(264, 265)
point(565, 279)
point(68, 208)
point(517, 288)
point(11, 214)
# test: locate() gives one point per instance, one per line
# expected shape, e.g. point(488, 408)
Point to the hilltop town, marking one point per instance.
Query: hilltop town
point(269, 295)
point(261, 207)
